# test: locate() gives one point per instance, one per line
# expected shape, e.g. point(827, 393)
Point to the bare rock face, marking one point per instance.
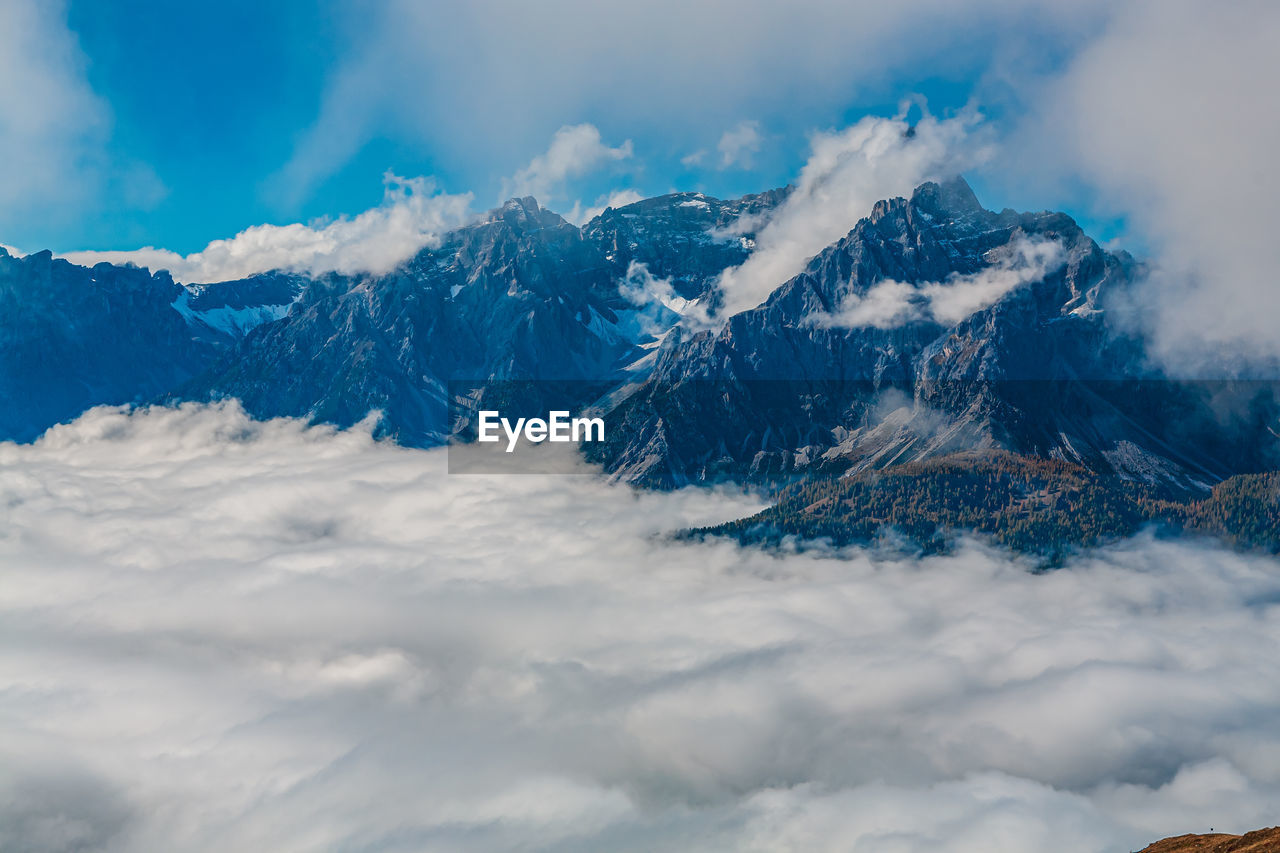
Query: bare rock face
point(689, 238)
point(933, 326)
point(73, 337)
point(1259, 841)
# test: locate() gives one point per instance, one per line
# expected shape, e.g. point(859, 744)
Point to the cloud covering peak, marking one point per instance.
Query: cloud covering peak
point(1161, 116)
point(847, 172)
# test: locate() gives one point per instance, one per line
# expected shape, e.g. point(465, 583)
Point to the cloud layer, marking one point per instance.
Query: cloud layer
point(501, 76)
point(888, 304)
point(412, 215)
point(223, 634)
point(575, 150)
point(53, 128)
point(1162, 115)
point(846, 174)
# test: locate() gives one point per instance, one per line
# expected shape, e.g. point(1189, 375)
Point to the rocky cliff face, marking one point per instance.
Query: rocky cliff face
point(521, 295)
point(73, 337)
point(933, 326)
point(689, 238)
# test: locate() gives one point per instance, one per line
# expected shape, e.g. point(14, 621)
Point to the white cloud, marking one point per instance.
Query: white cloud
point(1167, 115)
point(53, 128)
point(641, 287)
point(576, 150)
point(739, 144)
point(694, 158)
point(1022, 261)
point(412, 216)
point(657, 306)
point(489, 86)
point(223, 634)
point(617, 198)
point(886, 305)
point(847, 173)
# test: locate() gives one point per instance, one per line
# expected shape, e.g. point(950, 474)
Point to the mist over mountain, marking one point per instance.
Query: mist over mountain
point(933, 327)
point(936, 326)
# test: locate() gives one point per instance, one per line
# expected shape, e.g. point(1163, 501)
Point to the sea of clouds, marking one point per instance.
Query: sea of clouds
point(220, 634)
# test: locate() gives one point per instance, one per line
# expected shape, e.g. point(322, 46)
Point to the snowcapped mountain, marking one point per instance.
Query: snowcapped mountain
point(933, 326)
point(229, 310)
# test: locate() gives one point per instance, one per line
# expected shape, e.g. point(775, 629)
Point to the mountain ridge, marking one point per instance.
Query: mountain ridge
point(743, 401)
point(932, 327)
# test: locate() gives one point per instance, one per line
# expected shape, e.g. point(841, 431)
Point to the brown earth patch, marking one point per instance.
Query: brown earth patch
point(1259, 841)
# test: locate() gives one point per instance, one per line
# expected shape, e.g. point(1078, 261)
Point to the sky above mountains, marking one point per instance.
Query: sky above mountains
point(141, 123)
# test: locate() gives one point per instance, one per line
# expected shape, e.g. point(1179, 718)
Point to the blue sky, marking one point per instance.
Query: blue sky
point(212, 99)
point(209, 110)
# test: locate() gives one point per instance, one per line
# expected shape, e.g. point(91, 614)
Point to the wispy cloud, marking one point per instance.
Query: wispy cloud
point(258, 627)
point(739, 145)
point(618, 198)
point(412, 216)
point(54, 129)
point(694, 158)
point(888, 304)
point(575, 150)
point(1160, 115)
point(847, 172)
point(501, 75)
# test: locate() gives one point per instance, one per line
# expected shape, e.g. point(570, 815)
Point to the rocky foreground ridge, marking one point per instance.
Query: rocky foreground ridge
point(1258, 841)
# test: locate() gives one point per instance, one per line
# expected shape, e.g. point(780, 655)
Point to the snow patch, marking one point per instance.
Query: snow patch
point(236, 322)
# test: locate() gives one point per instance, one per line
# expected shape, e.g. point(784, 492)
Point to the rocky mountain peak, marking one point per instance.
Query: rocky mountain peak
point(526, 214)
point(969, 327)
point(950, 199)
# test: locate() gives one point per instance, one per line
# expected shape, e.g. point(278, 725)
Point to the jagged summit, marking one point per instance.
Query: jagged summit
point(525, 213)
point(689, 238)
point(952, 197)
point(933, 325)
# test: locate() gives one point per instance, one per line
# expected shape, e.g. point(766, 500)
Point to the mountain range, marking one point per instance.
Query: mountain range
point(933, 330)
